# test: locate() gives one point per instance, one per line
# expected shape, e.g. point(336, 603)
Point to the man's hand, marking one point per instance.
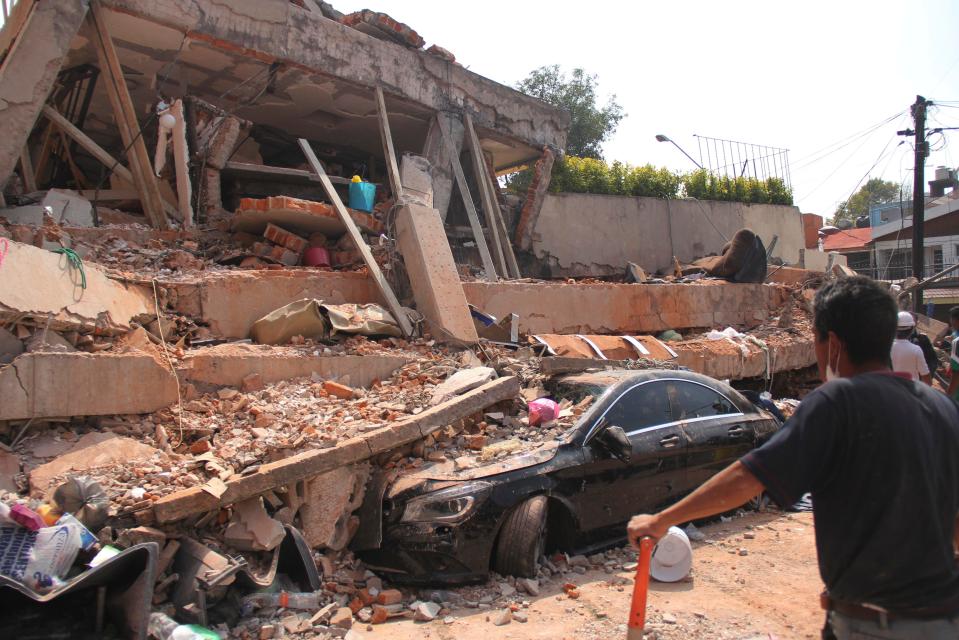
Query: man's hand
point(645, 526)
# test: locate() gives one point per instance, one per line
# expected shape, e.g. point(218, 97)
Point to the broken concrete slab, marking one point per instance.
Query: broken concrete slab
point(232, 301)
point(48, 385)
point(416, 176)
point(228, 365)
point(461, 382)
point(330, 500)
point(253, 215)
point(30, 71)
point(95, 449)
point(311, 463)
point(48, 342)
point(437, 289)
point(251, 528)
point(723, 360)
point(65, 207)
point(55, 292)
point(552, 307)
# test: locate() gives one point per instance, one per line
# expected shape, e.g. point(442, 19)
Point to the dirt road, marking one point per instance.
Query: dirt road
point(754, 576)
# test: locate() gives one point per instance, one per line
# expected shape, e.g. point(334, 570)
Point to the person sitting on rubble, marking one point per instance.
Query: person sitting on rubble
point(907, 357)
point(880, 454)
point(743, 259)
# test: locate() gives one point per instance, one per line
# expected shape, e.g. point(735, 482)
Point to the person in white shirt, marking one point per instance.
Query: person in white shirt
point(907, 357)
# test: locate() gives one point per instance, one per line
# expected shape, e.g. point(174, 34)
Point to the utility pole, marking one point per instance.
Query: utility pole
point(918, 194)
point(919, 199)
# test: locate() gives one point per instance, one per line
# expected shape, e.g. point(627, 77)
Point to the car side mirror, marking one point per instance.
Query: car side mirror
point(616, 443)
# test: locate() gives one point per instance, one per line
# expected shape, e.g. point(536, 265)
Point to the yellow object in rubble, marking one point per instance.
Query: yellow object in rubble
point(49, 513)
point(356, 179)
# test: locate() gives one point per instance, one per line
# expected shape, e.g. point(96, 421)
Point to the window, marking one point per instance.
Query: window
point(644, 406)
point(693, 400)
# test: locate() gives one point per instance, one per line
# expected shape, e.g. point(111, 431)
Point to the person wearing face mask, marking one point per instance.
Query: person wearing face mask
point(880, 454)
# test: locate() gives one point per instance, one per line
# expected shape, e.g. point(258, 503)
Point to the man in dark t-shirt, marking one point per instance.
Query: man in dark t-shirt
point(880, 454)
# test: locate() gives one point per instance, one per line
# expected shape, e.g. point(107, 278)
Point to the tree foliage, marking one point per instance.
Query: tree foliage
point(590, 124)
point(875, 191)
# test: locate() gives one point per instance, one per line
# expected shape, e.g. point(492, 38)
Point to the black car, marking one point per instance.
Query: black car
point(649, 438)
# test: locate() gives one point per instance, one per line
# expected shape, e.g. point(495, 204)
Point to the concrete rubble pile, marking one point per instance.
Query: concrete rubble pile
point(222, 474)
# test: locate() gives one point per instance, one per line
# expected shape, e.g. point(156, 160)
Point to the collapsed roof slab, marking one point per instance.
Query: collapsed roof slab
point(268, 31)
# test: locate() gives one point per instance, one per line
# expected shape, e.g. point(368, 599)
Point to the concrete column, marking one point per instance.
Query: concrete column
point(30, 70)
point(436, 285)
point(436, 151)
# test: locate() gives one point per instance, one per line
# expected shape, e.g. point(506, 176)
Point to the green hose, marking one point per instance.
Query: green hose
point(74, 260)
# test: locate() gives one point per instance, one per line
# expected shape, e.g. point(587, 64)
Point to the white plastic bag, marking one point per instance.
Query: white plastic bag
point(39, 559)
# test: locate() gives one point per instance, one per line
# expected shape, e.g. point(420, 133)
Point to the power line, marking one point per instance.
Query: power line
point(844, 142)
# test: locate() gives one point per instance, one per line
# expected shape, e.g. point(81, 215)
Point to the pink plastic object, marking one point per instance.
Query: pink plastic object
point(26, 517)
point(316, 257)
point(542, 410)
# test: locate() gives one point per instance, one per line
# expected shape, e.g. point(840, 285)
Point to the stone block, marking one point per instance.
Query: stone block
point(436, 285)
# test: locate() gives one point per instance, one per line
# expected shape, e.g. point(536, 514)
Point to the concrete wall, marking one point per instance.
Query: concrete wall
point(595, 235)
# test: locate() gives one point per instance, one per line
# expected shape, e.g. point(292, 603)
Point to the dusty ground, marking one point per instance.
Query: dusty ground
point(772, 592)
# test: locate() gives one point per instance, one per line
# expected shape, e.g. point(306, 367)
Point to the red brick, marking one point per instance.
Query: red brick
point(281, 236)
point(339, 390)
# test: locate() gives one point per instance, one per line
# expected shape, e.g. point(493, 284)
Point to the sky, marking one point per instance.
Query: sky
point(802, 76)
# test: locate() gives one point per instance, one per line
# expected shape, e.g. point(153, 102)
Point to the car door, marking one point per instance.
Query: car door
point(612, 491)
point(717, 431)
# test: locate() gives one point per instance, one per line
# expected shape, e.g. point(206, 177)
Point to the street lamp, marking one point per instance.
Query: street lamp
point(661, 138)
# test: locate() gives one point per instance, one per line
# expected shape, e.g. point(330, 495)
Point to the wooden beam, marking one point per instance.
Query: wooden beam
point(110, 195)
point(26, 170)
point(385, 290)
point(280, 174)
point(493, 214)
point(307, 464)
point(126, 119)
point(87, 143)
point(391, 167)
point(478, 236)
point(181, 164)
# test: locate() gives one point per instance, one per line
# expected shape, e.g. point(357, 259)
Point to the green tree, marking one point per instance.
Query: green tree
point(590, 124)
point(875, 191)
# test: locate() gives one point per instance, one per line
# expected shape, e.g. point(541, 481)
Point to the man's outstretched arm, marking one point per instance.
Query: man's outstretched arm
point(730, 488)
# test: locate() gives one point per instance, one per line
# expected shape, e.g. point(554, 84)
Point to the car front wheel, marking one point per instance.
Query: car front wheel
point(522, 539)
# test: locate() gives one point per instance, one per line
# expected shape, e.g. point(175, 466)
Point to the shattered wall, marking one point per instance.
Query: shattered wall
point(596, 235)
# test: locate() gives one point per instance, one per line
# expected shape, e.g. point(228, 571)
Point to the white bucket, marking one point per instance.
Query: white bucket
point(672, 557)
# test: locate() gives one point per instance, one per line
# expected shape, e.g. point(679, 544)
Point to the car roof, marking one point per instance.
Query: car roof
point(612, 382)
point(628, 377)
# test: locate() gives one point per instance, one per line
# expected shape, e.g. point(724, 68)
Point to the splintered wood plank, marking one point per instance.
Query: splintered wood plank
point(127, 123)
point(468, 203)
point(391, 167)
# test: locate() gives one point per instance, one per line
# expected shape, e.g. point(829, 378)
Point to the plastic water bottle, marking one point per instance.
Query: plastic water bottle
point(163, 627)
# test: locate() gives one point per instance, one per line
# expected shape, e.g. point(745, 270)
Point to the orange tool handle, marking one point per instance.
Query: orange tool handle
point(637, 610)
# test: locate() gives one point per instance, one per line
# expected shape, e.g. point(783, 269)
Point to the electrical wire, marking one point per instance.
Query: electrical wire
point(844, 142)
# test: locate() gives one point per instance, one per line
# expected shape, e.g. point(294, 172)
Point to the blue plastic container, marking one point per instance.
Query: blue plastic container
point(362, 196)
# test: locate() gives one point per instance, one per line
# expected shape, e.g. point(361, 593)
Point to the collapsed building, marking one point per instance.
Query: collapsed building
point(197, 315)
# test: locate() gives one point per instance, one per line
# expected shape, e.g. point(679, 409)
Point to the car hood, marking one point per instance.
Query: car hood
point(445, 471)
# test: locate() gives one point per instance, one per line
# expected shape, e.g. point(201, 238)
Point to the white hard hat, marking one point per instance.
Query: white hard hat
point(906, 321)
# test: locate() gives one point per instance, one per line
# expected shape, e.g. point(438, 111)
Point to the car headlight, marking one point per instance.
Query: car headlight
point(446, 505)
